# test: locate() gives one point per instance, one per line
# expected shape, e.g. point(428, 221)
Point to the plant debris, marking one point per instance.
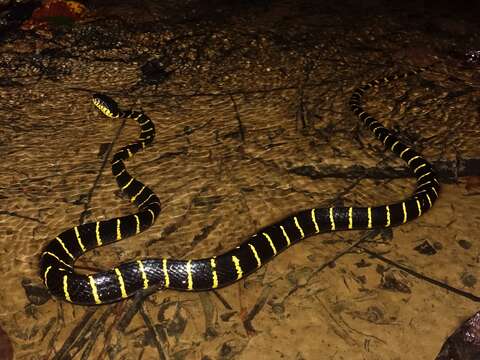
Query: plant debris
point(54, 13)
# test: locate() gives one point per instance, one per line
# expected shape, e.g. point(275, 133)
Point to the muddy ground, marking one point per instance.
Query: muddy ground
point(250, 104)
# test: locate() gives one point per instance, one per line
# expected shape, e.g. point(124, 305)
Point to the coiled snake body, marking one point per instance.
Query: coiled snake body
point(58, 257)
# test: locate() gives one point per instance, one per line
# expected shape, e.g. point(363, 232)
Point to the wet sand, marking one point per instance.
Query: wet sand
point(250, 103)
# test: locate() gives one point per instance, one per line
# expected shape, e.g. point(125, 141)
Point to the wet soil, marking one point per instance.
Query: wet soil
point(250, 100)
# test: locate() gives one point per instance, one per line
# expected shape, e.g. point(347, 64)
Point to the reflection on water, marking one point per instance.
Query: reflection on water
point(252, 125)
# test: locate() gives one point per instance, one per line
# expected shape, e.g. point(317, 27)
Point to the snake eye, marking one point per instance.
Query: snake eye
point(106, 105)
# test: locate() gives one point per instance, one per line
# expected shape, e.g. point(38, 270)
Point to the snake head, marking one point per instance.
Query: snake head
point(106, 105)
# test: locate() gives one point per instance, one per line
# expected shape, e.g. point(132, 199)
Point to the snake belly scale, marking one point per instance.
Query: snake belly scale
point(128, 278)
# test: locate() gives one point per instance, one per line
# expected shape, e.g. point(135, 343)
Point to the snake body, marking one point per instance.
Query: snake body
point(58, 257)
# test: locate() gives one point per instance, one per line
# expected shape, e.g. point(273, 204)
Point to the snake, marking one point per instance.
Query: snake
point(135, 277)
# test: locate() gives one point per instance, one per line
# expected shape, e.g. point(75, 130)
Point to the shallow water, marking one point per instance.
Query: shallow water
point(252, 125)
